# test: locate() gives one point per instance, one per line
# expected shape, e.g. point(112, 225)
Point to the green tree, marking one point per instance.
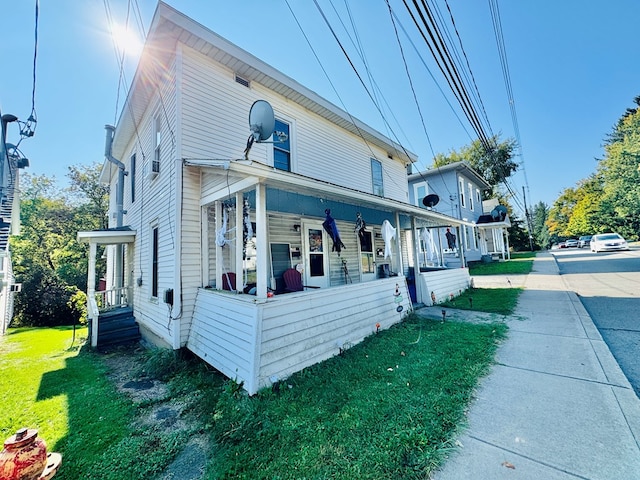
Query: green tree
point(495, 163)
point(540, 230)
point(47, 259)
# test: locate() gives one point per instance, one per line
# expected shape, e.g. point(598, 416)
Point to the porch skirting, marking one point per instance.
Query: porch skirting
point(442, 283)
point(259, 343)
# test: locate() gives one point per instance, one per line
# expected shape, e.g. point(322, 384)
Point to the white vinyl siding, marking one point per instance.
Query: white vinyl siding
point(215, 125)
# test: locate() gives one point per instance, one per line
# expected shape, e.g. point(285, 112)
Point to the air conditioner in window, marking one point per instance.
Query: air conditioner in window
point(154, 170)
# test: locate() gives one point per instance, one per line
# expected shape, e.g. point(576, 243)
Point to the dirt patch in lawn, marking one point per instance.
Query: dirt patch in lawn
point(158, 411)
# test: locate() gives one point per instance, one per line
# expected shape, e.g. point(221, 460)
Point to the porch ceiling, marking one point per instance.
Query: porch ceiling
point(244, 176)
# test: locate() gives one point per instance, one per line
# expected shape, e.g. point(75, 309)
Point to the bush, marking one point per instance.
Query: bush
point(46, 301)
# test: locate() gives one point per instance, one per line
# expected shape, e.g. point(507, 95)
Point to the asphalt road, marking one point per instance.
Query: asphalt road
point(609, 287)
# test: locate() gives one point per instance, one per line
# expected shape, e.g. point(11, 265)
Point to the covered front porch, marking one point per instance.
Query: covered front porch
point(110, 305)
point(248, 324)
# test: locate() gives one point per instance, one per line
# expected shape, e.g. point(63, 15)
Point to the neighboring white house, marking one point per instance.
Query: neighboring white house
point(202, 233)
point(459, 189)
point(11, 161)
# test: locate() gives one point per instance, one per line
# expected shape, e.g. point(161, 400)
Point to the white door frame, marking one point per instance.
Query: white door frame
point(312, 278)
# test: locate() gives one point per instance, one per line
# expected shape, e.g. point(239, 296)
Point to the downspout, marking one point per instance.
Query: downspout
point(119, 198)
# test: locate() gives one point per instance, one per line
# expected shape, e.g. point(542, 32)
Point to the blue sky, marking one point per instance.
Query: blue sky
point(573, 66)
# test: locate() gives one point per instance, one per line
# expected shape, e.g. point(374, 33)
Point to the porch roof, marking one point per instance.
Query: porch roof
point(109, 236)
point(245, 175)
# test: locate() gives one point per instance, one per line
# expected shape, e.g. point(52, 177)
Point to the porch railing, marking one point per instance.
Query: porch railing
point(113, 298)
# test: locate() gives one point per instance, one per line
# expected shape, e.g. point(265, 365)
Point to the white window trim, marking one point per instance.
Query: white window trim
point(416, 186)
point(293, 164)
point(373, 189)
point(463, 203)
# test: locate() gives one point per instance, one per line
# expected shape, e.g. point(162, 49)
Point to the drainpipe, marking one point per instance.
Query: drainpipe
point(119, 198)
point(6, 119)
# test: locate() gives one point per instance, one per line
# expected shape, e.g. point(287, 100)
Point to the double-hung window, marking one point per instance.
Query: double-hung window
point(132, 173)
point(282, 149)
point(421, 190)
point(157, 141)
point(463, 203)
point(376, 177)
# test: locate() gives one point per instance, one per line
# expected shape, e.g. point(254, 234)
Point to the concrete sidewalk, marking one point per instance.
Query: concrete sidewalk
point(556, 406)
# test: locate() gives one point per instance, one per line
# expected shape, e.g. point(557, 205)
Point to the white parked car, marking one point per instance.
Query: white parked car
point(604, 242)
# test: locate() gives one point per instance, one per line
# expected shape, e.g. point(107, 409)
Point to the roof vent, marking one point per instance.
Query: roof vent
point(242, 81)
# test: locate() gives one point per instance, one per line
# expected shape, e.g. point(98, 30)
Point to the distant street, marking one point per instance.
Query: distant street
point(609, 286)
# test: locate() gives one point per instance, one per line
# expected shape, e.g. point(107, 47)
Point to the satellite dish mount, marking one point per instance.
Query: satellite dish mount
point(262, 123)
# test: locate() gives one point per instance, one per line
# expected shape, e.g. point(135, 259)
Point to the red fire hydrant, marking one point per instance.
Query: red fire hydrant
point(25, 457)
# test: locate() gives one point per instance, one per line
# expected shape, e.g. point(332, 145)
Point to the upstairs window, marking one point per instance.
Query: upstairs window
point(470, 197)
point(132, 174)
point(478, 197)
point(157, 141)
point(421, 190)
point(282, 150)
point(463, 204)
point(376, 177)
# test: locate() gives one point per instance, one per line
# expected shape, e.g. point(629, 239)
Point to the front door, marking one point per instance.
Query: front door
point(316, 261)
point(367, 258)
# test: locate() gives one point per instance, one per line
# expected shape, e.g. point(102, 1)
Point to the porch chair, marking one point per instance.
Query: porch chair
point(229, 281)
point(293, 281)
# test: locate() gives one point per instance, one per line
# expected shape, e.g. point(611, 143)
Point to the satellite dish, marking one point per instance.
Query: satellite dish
point(262, 121)
point(431, 200)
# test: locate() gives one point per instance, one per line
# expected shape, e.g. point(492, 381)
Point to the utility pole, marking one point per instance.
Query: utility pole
point(528, 217)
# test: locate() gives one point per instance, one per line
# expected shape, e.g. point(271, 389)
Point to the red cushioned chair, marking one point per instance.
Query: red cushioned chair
point(293, 281)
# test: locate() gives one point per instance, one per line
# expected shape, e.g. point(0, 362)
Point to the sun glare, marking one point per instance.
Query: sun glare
point(125, 40)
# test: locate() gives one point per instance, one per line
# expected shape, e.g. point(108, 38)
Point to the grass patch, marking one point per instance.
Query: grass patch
point(65, 393)
point(490, 300)
point(387, 408)
point(521, 263)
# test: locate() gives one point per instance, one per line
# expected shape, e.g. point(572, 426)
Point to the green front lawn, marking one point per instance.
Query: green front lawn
point(387, 408)
point(521, 263)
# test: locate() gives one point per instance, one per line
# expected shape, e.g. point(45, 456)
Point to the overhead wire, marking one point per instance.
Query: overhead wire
point(504, 63)
point(28, 128)
point(415, 98)
point(428, 29)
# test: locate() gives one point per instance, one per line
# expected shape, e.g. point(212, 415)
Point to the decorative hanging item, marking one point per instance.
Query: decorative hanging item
point(388, 234)
point(429, 246)
point(221, 239)
point(247, 228)
point(331, 228)
point(361, 229)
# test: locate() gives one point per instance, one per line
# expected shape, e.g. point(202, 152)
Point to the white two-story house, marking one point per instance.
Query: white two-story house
point(206, 232)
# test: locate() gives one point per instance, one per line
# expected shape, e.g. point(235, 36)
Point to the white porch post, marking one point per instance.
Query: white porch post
point(91, 291)
point(461, 239)
point(204, 246)
point(218, 206)
point(239, 242)
point(420, 294)
point(506, 236)
point(262, 250)
point(400, 269)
